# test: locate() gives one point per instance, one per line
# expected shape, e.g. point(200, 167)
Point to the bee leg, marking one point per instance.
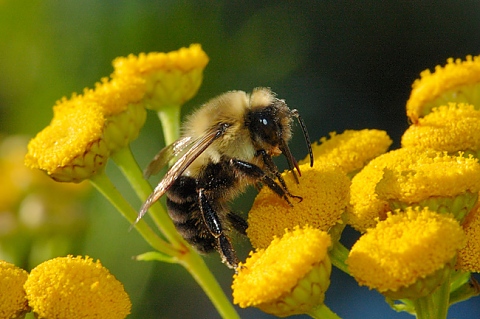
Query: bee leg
point(238, 222)
point(267, 159)
point(258, 175)
point(214, 225)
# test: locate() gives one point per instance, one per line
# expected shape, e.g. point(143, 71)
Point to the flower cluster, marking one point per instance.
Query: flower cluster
point(87, 128)
point(90, 128)
point(63, 287)
point(416, 208)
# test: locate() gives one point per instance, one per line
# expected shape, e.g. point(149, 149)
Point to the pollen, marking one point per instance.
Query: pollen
point(71, 147)
point(352, 149)
point(13, 301)
point(294, 267)
point(430, 176)
point(469, 256)
point(366, 206)
point(451, 128)
point(114, 95)
point(404, 249)
point(171, 78)
point(456, 81)
point(324, 190)
point(76, 287)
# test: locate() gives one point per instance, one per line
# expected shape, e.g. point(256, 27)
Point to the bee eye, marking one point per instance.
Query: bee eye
point(264, 126)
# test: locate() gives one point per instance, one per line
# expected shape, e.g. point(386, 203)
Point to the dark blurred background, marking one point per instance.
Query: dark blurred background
point(343, 64)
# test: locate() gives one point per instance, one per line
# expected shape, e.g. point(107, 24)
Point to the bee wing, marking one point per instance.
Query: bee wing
point(166, 154)
point(196, 149)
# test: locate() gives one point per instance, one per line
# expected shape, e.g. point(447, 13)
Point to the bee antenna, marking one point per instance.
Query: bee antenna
point(305, 134)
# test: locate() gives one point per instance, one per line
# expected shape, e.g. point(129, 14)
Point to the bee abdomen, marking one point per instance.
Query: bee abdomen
point(182, 205)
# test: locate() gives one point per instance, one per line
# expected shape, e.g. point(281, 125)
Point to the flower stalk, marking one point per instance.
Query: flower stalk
point(322, 312)
point(129, 167)
point(170, 118)
point(105, 186)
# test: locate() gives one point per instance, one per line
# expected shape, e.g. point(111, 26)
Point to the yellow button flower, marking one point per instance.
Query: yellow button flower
point(407, 255)
point(289, 277)
point(325, 192)
point(114, 95)
point(366, 207)
point(443, 183)
point(71, 148)
point(87, 128)
point(171, 78)
point(469, 256)
point(73, 287)
point(352, 149)
point(458, 81)
point(451, 128)
point(13, 301)
point(121, 102)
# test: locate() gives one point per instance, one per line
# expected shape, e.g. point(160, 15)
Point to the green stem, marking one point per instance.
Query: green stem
point(441, 298)
point(425, 307)
point(130, 169)
point(323, 312)
point(338, 255)
point(182, 253)
point(170, 118)
point(202, 275)
point(105, 186)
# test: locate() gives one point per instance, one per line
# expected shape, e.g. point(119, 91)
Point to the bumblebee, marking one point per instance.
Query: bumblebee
point(226, 145)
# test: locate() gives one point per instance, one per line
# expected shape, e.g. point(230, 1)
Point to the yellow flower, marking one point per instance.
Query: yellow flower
point(87, 128)
point(441, 182)
point(458, 81)
point(469, 256)
point(325, 192)
point(73, 287)
point(289, 277)
point(351, 150)
point(449, 128)
point(13, 301)
point(71, 148)
point(407, 255)
point(171, 78)
point(114, 95)
point(366, 207)
point(121, 101)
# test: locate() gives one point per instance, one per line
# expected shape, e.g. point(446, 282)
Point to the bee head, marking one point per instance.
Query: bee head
point(269, 123)
point(269, 126)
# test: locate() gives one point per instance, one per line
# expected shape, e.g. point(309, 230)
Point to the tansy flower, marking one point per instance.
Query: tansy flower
point(458, 81)
point(114, 95)
point(72, 147)
point(469, 256)
point(73, 287)
point(325, 194)
point(289, 277)
point(172, 78)
point(366, 207)
point(441, 182)
point(13, 301)
point(451, 128)
point(407, 255)
point(87, 128)
point(121, 102)
point(351, 150)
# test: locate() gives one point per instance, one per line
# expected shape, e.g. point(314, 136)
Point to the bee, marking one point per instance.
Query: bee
point(226, 145)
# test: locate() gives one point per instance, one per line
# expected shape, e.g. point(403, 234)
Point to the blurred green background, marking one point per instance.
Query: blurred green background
point(343, 64)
